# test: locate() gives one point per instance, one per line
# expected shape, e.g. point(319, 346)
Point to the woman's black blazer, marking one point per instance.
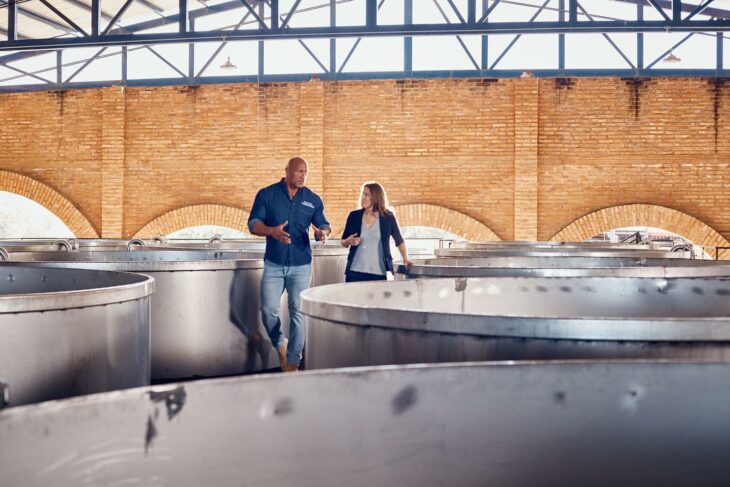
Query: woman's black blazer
point(388, 228)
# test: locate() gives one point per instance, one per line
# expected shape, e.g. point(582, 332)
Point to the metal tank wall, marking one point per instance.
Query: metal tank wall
point(466, 319)
point(66, 332)
point(461, 424)
point(205, 312)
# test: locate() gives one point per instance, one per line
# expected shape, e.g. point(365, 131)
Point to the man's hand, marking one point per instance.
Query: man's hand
point(353, 240)
point(279, 234)
point(321, 235)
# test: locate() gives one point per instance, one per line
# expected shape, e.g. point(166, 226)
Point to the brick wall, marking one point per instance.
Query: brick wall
point(523, 157)
point(606, 142)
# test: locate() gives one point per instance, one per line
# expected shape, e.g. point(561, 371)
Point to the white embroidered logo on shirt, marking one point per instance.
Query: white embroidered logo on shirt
point(307, 203)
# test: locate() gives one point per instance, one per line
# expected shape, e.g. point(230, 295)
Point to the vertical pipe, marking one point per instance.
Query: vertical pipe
point(95, 17)
point(408, 40)
point(182, 18)
point(59, 67)
point(371, 13)
point(191, 53)
point(719, 50)
point(333, 41)
point(561, 37)
point(572, 11)
point(485, 39)
point(640, 37)
point(274, 14)
point(12, 20)
point(124, 64)
point(676, 10)
point(261, 43)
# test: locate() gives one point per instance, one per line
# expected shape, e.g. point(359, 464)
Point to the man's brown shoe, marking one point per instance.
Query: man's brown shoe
point(291, 368)
point(282, 354)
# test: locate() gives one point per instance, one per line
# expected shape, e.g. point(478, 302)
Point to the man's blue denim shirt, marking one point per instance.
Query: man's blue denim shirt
point(272, 206)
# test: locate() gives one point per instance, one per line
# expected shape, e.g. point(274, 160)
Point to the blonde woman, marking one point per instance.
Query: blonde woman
point(367, 233)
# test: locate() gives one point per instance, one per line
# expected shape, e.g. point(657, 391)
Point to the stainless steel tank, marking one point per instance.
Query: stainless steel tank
point(220, 244)
point(111, 244)
point(37, 245)
point(70, 244)
point(65, 332)
point(524, 245)
point(562, 267)
point(205, 312)
point(557, 252)
point(469, 425)
point(328, 264)
point(328, 261)
point(463, 319)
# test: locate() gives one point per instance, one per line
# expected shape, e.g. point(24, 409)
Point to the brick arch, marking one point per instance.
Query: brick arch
point(444, 218)
point(662, 217)
point(50, 199)
point(194, 216)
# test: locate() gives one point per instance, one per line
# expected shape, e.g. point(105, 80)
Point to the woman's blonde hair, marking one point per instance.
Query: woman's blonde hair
point(377, 196)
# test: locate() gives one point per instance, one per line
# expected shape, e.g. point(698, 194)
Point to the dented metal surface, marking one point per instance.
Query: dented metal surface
point(464, 319)
point(464, 424)
point(66, 332)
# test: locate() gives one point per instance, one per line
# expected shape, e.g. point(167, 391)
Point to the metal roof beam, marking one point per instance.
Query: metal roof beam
point(117, 17)
point(183, 16)
point(89, 8)
point(39, 18)
point(138, 27)
point(12, 21)
point(667, 4)
point(64, 17)
point(151, 6)
point(547, 27)
point(387, 75)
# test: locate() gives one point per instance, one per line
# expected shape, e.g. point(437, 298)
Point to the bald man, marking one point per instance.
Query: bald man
point(283, 213)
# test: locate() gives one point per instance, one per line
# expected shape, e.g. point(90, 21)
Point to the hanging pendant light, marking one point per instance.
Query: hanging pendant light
point(671, 58)
point(228, 65)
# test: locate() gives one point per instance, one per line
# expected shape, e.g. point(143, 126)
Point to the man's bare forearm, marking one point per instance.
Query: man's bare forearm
point(261, 230)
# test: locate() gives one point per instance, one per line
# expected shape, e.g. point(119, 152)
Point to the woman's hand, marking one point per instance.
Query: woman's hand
point(353, 240)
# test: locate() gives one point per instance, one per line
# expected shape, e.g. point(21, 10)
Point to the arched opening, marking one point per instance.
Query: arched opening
point(644, 216)
point(198, 220)
point(421, 241)
point(49, 199)
point(425, 228)
point(446, 219)
point(21, 217)
point(659, 238)
point(205, 232)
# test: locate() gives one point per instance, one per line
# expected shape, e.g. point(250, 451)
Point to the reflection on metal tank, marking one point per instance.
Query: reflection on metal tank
point(464, 319)
point(521, 245)
point(328, 266)
point(563, 267)
point(84, 244)
point(66, 332)
point(328, 261)
point(557, 252)
point(468, 425)
point(205, 311)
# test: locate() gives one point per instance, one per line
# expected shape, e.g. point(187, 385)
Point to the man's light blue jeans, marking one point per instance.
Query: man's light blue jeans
point(294, 279)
